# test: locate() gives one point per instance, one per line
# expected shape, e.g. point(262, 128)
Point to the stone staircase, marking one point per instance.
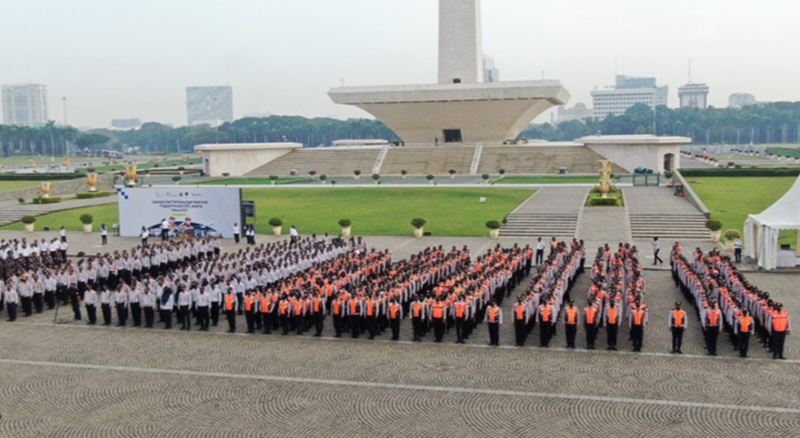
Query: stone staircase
point(669, 227)
point(437, 160)
point(325, 161)
point(655, 211)
point(527, 159)
point(11, 212)
point(550, 212)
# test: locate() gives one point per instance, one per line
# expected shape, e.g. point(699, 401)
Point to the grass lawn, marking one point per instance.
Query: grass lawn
point(547, 180)
point(373, 211)
point(6, 186)
point(252, 181)
point(731, 199)
point(103, 214)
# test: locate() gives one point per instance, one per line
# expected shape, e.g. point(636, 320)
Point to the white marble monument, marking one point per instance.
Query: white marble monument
point(461, 108)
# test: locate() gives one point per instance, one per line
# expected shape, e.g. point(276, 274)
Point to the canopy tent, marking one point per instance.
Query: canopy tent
point(761, 230)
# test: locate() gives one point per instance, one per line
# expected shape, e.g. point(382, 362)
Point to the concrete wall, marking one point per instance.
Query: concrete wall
point(691, 196)
point(631, 156)
point(105, 182)
point(239, 159)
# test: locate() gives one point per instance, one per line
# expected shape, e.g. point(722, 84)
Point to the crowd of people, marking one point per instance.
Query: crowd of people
point(726, 302)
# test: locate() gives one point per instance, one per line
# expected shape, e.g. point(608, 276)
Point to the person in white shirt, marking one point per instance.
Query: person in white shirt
point(737, 250)
point(293, 235)
point(203, 301)
point(149, 306)
point(164, 230)
point(90, 301)
point(63, 234)
point(236, 232)
point(134, 299)
point(144, 235)
point(105, 305)
point(11, 300)
point(121, 301)
point(184, 303)
point(103, 235)
point(539, 251)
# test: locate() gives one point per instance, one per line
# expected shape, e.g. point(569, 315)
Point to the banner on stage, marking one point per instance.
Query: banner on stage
point(189, 211)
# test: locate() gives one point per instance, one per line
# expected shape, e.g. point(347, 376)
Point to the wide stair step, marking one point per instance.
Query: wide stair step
point(672, 226)
point(540, 225)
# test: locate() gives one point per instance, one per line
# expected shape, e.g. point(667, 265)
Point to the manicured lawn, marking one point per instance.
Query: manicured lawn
point(103, 214)
point(373, 211)
point(6, 186)
point(547, 180)
point(252, 181)
point(732, 199)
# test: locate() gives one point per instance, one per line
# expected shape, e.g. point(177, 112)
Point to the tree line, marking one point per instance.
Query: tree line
point(776, 122)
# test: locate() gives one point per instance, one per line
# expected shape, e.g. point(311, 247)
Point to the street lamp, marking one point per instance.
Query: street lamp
point(64, 99)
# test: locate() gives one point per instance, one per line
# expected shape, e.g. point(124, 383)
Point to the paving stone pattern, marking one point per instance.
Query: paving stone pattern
point(74, 380)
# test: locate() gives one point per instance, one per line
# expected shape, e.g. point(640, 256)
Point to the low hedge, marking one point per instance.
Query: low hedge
point(38, 176)
point(50, 200)
point(603, 202)
point(88, 195)
point(746, 171)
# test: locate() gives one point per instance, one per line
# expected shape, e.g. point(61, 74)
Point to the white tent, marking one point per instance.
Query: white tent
point(761, 230)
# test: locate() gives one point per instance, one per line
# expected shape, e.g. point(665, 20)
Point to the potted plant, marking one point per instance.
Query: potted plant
point(730, 237)
point(452, 173)
point(356, 174)
point(28, 221)
point(501, 171)
point(21, 200)
point(323, 177)
point(485, 177)
point(404, 173)
point(87, 220)
point(273, 179)
point(418, 223)
point(277, 225)
point(494, 229)
point(715, 225)
point(430, 178)
point(377, 178)
point(345, 224)
point(226, 174)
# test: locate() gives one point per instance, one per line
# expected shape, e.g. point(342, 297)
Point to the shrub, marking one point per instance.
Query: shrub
point(404, 172)
point(226, 174)
point(485, 176)
point(21, 200)
point(501, 171)
point(376, 176)
point(86, 219)
point(293, 172)
point(430, 177)
point(344, 223)
point(89, 195)
point(273, 177)
point(323, 177)
point(356, 172)
point(176, 178)
point(493, 225)
point(452, 171)
point(275, 222)
point(28, 219)
point(333, 182)
point(732, 234)
point(714, 224)
point(418, 222)
point(181, 168)
point(668, 175)
point(738, 171)
point(603, 202)
point(51, 200)
point(312, 172)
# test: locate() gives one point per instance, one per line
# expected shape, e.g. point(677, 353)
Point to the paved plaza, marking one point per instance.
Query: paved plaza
point(69, 379)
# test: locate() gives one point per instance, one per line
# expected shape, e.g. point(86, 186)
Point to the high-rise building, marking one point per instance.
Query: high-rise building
point(577, 112)
point(738, 100)
point(25, 104)
point(627, 92)
point(126, 123)
point(209, 105)
point(693, 96)
point(490, 72)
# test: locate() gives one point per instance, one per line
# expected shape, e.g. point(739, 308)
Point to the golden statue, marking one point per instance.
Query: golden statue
point(31, 164)
point(45, 189)
point(605, 177)
point(91, 181)
point(65, 161)
point(130, 174)
point(185, 157)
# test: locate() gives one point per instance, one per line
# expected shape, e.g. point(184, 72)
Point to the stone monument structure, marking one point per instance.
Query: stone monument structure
point(461, 108)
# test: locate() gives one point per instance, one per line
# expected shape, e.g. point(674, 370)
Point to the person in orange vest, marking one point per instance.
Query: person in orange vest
point(337, 311)
point(265, 307)
point(711, 327)
point(284, 313)
point(299, 314)
point(611, 317)
point(318, 311)
point(744, 328)
point(494, 318)
point(371, 311)
point(438, 313)
point(590, 324)
point(571, 316)
point(395, 311)
point(418, 317)
point(677, 324)
point(780, 326)
point(230, 310)
point(521, 317)
point(250, 311)
point(460, 310)
point(637, 320)
point(545, 319)
point(354, 312)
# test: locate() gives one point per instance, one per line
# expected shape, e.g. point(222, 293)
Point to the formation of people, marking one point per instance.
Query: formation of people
point(726, 302)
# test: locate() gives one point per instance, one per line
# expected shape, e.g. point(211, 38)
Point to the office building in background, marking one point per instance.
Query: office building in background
point(627, 92)
point(693, 96)
point(25, 104)
point(209, 105)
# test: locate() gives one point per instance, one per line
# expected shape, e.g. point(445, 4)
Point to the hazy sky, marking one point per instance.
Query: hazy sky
point(134, 58)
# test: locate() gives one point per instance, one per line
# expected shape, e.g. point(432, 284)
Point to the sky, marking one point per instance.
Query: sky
point(134, 58)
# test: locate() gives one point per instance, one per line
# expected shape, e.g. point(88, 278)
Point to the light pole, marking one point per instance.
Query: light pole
point(64, 99)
